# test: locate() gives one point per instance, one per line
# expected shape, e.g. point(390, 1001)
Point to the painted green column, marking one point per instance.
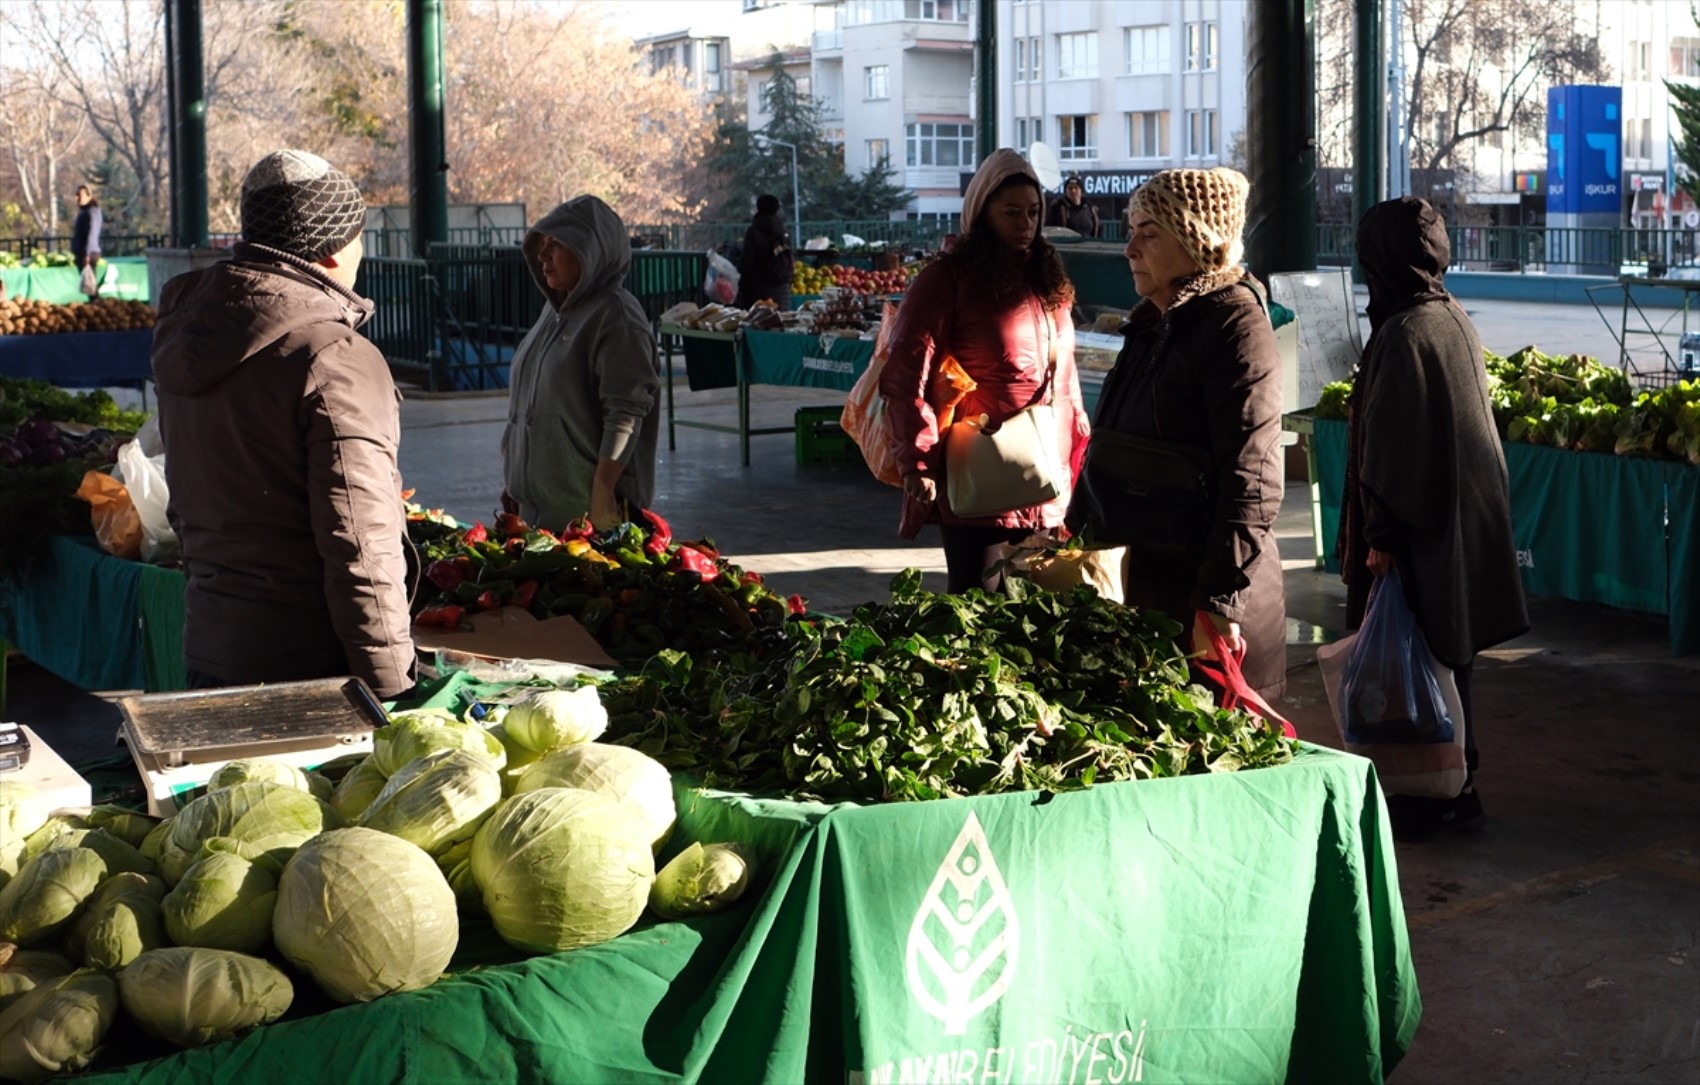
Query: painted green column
point(986, 79)
point(428, 185)
point(1281, 136)
point(1369, 108)
point(186, 89)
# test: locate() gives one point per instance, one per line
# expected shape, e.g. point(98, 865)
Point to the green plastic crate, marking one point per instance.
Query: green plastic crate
point(822, 442)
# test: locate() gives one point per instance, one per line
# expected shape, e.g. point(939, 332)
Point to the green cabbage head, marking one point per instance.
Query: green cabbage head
point(355, 791)
point(123, 884)
point(552, 718)
point(365, 913)
point(223, 901)
point(262, 817)
point(267, 769)
point(619, 772)
point(47, 892)
point(700, 879)
point(437, 800)
point(193, 995)
point(22, 812)
point(56, 1027)
point(561, 868)
point(22, 970)
point(413, 735)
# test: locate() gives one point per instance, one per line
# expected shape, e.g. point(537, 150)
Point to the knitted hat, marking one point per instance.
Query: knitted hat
point(300, 204)
point(767, 204)
point(1203, 209)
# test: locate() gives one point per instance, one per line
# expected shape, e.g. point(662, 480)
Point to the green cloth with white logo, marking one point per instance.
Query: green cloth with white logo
point(63, 285)
point(1596, 528)
point(803, 361)
point(1241, 927)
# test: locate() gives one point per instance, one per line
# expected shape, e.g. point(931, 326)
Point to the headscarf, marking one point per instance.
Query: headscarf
point(1403, 249)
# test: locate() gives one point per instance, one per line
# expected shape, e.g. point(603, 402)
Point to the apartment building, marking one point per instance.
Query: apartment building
point(1120, 89)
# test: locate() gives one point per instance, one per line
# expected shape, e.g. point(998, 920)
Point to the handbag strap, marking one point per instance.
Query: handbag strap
point(1046, 388)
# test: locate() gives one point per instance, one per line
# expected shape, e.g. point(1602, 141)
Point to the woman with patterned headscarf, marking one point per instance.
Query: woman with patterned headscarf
point(998, 303)
point(1189, 476)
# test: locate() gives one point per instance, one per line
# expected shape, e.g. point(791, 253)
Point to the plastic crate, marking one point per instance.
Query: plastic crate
point(822, 442)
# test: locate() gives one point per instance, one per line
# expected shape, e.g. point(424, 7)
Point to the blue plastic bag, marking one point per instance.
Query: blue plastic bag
point(1390, 691)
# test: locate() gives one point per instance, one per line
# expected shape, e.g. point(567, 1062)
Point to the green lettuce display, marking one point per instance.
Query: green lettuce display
point(365, 913)
point(561, 868)
point(199, 996)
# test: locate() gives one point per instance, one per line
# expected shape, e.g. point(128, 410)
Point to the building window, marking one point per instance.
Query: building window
point(1038, 127)
point(939, 144)
point(1078, 137)
point(1685, 58)
point(1201, 133)
point(660, 58)
point(1077, 56)
point(1036, 58)
point(1148, 135)
point(879, 153)
point(877, 78)
point(712, 78)
point(938, 11)
point(1200, 47)
point(1147, 50)
point(1021, 60)
point(1021, 143)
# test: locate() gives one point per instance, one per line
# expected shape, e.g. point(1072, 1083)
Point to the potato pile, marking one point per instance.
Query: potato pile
point(29, 317)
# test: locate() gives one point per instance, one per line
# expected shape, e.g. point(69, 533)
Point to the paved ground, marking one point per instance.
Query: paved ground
point(1556, 946)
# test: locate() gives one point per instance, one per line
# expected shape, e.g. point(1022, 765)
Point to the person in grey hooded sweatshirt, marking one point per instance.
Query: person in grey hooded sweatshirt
point(582, 426)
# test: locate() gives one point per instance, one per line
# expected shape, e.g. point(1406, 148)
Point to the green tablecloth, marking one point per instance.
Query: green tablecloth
point(1618, 530)
point(803, 361)
point(63, 285)
point(1239, 927)
point(99, 622)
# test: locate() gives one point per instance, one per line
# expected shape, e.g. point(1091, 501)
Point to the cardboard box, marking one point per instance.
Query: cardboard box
point(512, 633)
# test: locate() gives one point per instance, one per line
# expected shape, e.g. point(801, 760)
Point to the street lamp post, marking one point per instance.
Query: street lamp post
point(796, 205)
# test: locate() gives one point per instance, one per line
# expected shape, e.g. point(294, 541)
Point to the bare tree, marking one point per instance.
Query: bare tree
point(40, 136)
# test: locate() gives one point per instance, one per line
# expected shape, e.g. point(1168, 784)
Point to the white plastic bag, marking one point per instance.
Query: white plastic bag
point(144, 477)
point(1429, 769)
point(721, 282)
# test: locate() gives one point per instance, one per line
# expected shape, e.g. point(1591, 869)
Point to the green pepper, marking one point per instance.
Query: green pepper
point(595, 613)
point(569, 603)
point(631, 557)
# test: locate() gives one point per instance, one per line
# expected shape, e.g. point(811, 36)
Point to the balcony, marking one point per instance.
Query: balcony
point(828, 41)
point(946, 105)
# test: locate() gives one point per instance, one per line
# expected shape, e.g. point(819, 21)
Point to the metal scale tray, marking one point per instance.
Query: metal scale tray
point(174, 729)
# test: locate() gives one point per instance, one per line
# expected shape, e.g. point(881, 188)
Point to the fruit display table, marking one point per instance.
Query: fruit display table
point(746, 357)
point(1227, 927)
point(1597, 528)
point(99, 622)
point(80, 359)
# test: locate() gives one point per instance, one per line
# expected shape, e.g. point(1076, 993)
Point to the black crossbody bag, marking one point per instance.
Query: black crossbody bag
point(1150, 495)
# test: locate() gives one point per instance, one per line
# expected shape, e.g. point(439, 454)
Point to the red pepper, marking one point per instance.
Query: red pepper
point(515, 546)
point(580, 528)
point(445, 574)
point(525, 593)
point(797, 605)
point(509, 525)
point(444, 617)
point(476, 533)
point(487, 600)
point(660, 535)
point(692, 560)
point(750, 578)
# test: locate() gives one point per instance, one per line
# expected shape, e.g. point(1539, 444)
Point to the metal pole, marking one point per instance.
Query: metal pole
point(1369, 108)
point(986, 80)
point(427, 147)
point(796, 203)
point(1281, 136)
point(1398, 166)
point(188, 123)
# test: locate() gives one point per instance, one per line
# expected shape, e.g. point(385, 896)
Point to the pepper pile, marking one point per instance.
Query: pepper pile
point(634, 588)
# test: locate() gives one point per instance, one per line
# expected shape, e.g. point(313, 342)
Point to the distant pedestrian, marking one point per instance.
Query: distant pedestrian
point(764, 267)
point(1426, 486)
point(85, 239)
point(1071, 211)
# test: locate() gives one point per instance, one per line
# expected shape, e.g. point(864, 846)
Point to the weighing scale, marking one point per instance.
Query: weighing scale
point(180, 739)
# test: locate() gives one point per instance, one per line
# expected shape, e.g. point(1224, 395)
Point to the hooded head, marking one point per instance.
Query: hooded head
point(595, 234)
point(1403, 249)
point(1203, 209)
point(296, 202)
point(999, 166)
point(767, 204)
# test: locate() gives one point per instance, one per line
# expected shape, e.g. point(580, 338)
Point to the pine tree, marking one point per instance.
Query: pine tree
point(1685, 102)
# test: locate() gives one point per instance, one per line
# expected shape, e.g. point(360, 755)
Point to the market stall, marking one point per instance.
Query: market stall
point(744, 357)
point(1589, 526)
point(105, 359)
point(122, 277)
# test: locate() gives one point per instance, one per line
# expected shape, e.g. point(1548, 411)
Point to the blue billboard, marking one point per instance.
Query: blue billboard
point(1584, 149)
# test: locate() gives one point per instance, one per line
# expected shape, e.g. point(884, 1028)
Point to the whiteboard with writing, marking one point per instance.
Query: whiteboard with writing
point(1329, 338)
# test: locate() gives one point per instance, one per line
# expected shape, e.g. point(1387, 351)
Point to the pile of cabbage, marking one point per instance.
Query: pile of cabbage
point(195, 925)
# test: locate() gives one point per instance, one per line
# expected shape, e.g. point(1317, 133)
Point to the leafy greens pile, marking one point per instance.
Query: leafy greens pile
point(934, 696)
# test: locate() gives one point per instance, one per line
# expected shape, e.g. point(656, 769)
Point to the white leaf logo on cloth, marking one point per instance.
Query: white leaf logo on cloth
point(963, 941)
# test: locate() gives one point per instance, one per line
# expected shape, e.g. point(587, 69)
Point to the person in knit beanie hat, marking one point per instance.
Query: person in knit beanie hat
point(297, 203)
point(1202, 209)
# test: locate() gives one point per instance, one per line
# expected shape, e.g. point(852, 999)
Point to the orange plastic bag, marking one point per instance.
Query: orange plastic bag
point(950, 383)
point(864, 417)
point(117, 525)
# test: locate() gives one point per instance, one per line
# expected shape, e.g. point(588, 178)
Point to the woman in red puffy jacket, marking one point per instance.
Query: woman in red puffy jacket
point(999, 304)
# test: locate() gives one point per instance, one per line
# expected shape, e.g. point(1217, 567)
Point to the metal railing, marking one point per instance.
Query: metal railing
point(702, 236)
point(110, 244)
point(451, 322)
point(1542, 248)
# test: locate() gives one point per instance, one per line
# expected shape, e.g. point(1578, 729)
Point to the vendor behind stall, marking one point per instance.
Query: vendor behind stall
point(281, 428)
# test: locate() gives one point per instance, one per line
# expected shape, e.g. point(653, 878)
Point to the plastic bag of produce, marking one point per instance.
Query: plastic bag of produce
point(1394, 702)
point(721, 282)
point(117, 525)
point(144, 478)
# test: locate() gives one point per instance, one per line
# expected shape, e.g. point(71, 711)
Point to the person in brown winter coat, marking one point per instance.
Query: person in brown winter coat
point(281, 427)
point(1426, 486)
point(1197, 384)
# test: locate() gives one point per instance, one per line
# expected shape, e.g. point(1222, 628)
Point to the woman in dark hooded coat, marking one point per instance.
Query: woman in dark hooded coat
point(764, 269)
point(1426, 487)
